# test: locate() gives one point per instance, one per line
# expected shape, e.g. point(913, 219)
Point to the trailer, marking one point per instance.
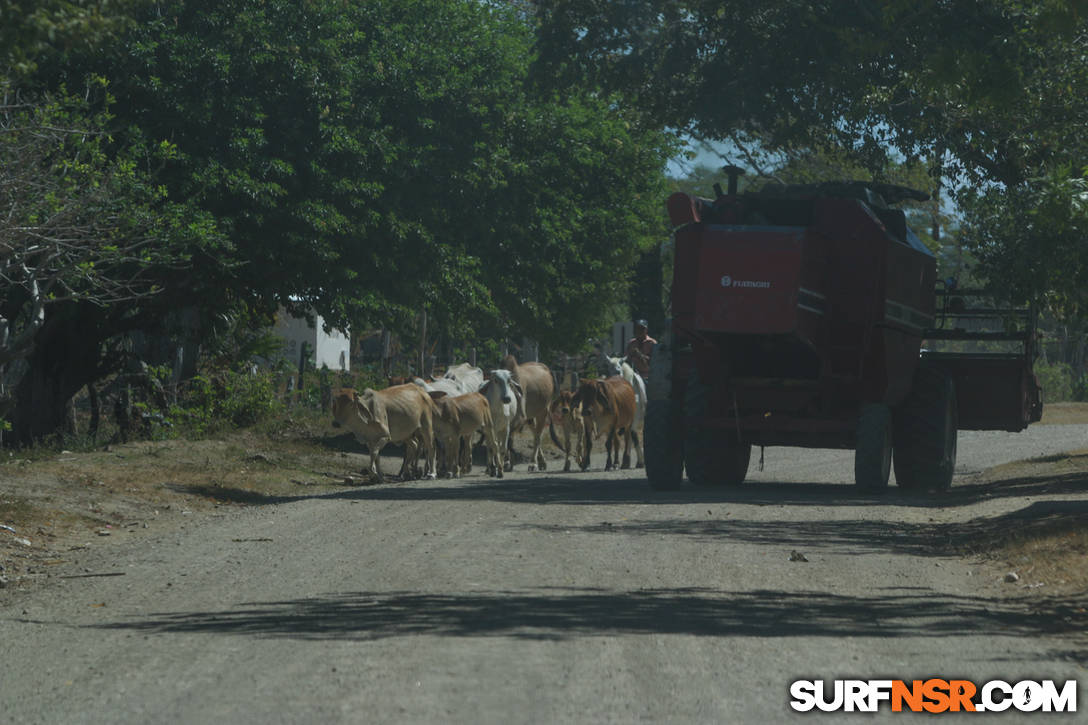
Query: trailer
point(811, 315)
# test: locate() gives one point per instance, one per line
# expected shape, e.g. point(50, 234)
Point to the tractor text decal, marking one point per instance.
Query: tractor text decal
point(728, 281)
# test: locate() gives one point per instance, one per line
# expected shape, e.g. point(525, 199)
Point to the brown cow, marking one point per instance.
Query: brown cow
point(537, 387)
point(457, 420)
point(562, 413)
point(608, 404)
point(401, 414)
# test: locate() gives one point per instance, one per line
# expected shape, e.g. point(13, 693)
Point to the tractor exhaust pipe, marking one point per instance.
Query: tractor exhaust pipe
point(733, 172)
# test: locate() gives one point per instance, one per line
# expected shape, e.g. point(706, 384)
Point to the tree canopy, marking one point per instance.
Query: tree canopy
point(990, 95)
point(366, 160)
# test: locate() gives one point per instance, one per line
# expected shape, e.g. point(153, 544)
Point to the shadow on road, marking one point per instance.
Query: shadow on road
point(859, 536)
point(558, 614)
point(591, 489)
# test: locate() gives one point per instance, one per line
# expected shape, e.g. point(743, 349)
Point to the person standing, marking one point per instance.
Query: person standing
point(640, 348)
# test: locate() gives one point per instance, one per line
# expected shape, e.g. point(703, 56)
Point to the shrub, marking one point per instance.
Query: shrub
point(1080, 388)
point(1056, 380)
point(227, 399)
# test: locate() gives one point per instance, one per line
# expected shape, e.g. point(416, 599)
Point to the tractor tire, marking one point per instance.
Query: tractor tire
point(873, 452)
point(663, 445)
point(926, 428)
point(712, 457)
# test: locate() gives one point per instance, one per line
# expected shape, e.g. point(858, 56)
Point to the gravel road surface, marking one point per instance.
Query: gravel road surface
point(540, 598)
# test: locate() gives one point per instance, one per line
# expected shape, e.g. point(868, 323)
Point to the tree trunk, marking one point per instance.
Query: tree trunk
point(422, 342)
point(96, 412)
point(65, 359)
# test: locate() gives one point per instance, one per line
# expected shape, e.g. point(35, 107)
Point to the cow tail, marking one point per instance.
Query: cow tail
point(555, 439)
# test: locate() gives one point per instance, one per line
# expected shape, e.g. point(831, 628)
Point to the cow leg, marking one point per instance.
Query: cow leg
point(465, 450)
point(426, 430)
point(509, 463)
point(588, 447)
point(493, 464)
point(376, 459)
point(448, 450)
point(411, 456)
point(566, 449)
point(502, 446)
point(626, 448)
point(638, 450)
point(538, 432)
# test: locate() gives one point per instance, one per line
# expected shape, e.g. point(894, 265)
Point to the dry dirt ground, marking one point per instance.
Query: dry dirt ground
point(54, 505)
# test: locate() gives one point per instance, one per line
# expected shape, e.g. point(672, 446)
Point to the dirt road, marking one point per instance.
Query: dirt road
point(541, 598)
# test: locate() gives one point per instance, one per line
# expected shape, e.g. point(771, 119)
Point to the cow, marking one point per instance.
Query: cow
point(620, 366)
point(457, 420)
point(608, 404)
point(458, 380)
point(468, 376)
point(538, 386)
point(400, 414)
point(562, 413)
point(442, 385)
point(503, 395)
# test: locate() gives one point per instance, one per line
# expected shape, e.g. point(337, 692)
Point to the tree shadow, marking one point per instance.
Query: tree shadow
point(859, 536)
point(563, 614)
point(585, 487)
point(588, 488)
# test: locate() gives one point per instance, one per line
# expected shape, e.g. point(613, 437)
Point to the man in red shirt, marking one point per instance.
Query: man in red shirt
point(639, 349)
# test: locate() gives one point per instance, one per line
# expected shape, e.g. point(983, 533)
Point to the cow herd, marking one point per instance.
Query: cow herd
point(446, 414)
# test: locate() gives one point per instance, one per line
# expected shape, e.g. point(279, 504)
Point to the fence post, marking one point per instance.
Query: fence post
point(303, 355)
point(386, 353)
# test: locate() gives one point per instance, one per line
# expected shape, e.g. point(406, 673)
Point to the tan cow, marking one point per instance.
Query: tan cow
point(457, 420)
point(400, 414)
point(608, 404)
point(537, 387)
point(562, 413)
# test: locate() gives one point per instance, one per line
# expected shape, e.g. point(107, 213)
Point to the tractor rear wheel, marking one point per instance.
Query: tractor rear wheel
point(712, 457)
point(873, 454)
point(663, 444)
point(926, 428)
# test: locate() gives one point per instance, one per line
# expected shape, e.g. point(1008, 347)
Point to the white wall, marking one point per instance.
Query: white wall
point(332, 350)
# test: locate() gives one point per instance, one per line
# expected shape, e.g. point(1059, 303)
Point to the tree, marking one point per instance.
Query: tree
point(366, 160)
point(77, 226)
point(985, 93)
point(376, 158)
point(31, 32)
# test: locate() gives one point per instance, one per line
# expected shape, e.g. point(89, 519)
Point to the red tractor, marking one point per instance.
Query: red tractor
point(811, 315)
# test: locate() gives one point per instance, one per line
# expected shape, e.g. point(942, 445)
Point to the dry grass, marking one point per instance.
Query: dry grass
point(68, 501)
point(1046, 543)
point(1062, 413)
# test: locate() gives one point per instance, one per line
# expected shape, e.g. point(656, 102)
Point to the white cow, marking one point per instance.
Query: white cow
point(619, 366)
point(503, 395)
point(469, 376)
point(451, 388)
point(458, 380)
